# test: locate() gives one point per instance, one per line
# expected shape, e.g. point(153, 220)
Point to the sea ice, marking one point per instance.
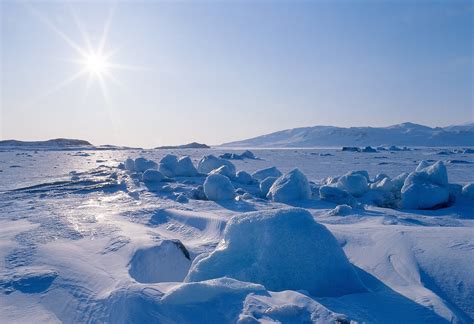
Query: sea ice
point(151, 175)
point(290, 187)
point(266, 184)
point(244, 178)
point(354, 183)
point(218, 187)
point(171, 166)
point(210, 162)
point(142, 164)
point(426, 188)
point(225, 171)
point(265, 173)
point(336, 195)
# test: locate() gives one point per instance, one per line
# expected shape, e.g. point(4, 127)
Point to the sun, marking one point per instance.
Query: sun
point(95, 63)
point(94, 60)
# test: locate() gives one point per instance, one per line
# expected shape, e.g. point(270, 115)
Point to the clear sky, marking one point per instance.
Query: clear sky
point(217, 71)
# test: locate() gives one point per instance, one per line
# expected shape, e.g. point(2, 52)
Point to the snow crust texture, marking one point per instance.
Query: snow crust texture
point(142, 236)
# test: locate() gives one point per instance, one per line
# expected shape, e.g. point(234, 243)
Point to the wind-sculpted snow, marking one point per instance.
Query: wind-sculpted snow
point(89, 238)
point(283, 250)
point(168, 261)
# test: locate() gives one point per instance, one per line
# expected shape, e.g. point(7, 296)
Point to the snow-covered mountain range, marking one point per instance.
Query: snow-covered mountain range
point(408, 134)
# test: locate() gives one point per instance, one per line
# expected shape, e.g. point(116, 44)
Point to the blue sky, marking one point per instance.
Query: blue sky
point(218, 71)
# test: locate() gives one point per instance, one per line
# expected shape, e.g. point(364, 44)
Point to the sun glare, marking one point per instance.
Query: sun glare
point(95, 64)
point(93, 60)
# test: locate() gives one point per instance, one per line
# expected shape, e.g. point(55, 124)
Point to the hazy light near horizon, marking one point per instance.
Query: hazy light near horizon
point(158, 73)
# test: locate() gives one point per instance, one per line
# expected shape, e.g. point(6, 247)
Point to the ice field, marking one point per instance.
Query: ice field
point(99, 236)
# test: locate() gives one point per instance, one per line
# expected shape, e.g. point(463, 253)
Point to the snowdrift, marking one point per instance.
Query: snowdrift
point(284, 249)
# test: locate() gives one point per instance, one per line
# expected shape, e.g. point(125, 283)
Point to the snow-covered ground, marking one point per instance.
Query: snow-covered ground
point(83, 239)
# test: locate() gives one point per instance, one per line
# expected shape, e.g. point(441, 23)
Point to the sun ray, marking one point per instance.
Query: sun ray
point(94, 60)
point(105, 33)
point(58, 86)
point(81, 29)
point(119, 66)
point(103, 88)
point(48, 23)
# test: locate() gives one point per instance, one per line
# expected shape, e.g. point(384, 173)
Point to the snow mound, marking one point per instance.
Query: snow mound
point(225, 171)
point(426, 188)
point(142, 164)
point(171, 166)
point(210, 162)
point(283, 250)
point(199, 292)
point(151, 175)
point(266, 184)
point(292, 186)
point(336, 195)
point(168, 261)
point(287, 307)
point(354, 183)
point(244, 178)
point(213, 301)
point(218, 187)
point(265, 173)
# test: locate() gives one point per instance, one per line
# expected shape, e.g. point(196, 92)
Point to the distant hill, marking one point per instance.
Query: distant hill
point(58, 142)
point(406, 134)
point(192, 145)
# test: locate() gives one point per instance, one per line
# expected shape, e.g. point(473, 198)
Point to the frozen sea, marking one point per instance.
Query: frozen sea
point(84, 241)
